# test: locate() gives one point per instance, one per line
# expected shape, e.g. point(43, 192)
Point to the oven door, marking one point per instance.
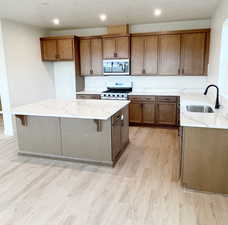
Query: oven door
point(116, 67)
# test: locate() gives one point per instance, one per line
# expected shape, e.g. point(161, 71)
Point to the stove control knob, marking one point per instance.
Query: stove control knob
point(113, 95)
point(118, 95)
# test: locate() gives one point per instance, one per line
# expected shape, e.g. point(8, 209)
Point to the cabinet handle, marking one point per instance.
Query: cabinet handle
point(143, 71)
point(57, 56)
point(179, 71)
point(91, 71)
point(115, 54)
point(182, 71)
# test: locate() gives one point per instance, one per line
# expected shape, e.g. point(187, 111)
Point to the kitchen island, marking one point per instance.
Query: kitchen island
point(94, 131)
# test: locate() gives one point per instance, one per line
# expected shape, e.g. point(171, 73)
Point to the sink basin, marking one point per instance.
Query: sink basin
point(199, 108)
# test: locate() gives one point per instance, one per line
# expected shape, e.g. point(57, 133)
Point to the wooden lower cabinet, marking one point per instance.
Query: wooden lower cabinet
point(135, 112)
point(166, 113)
point(154, 110)
point(148, 112)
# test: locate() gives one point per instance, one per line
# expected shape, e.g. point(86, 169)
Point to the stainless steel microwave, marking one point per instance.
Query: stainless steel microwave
point(116, 67)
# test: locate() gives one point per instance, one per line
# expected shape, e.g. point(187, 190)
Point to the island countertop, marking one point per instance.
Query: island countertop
point(78, 109)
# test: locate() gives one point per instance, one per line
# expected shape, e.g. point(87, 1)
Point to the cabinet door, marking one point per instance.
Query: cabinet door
point(42, 135)
point(137, 55)
point(169, 55)
point(135, 112)
point(65, 49)
point(122, 47)
point(193, 53)
point(85, 57)
point(116, 138)
point(149, 112)
point(151, 55)
point(49, 50)
point(96, 57)
point(124, 128)
point(109, 48)
point(166, 113)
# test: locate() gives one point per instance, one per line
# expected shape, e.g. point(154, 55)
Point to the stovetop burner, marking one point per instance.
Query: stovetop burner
point(118, 91)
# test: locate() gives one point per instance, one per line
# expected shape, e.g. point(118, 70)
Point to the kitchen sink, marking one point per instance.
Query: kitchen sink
point(199, 108)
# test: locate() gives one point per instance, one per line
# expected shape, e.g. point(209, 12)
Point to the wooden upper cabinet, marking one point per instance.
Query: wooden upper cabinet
point(109, 48)
point(65, 49)
point(144, 55)
point(193, 53)
point(116, 47)
point(85, 57)
point(91, 56)
point(49, 50)
point(151, 55)
point(122, 47)
point(169, 54)
point(137, 55)
point(58, 48)
point(96, 56)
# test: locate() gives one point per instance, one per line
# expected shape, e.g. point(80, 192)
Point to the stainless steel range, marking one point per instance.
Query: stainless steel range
point(117, 91)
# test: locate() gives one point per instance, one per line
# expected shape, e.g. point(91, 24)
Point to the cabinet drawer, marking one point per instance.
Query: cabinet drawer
point(167, 99)
point(142, 98)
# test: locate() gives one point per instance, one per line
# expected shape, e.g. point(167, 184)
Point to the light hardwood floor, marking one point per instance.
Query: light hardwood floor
point(142, 189)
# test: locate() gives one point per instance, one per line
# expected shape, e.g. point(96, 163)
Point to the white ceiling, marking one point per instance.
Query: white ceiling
point(85, 13)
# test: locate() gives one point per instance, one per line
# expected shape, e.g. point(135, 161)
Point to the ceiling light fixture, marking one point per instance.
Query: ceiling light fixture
point(56, 21)
point(157, 12)
point(103, 17)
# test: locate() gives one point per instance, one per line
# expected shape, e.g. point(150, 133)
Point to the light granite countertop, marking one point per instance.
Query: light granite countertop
point(79, 109)
point(218, 119)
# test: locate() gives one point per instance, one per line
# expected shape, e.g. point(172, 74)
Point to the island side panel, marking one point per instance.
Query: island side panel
point(81, 140)
point(41, 135)
point(205, 161)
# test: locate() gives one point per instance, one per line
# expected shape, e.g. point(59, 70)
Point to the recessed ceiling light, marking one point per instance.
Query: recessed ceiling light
point(56, 21)
point(157, 12)
point(103, 17)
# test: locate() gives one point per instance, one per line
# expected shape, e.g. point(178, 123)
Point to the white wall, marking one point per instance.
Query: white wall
point(223, 70)
point(216, 62)
point(65, 80)
point(138, 28)
point(217, 23)
point(4, 87)
point(28, 78)
point(94, 83)
point(148, 83)
point(169, 26)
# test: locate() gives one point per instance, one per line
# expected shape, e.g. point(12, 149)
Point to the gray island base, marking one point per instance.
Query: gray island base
point(99, 141)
